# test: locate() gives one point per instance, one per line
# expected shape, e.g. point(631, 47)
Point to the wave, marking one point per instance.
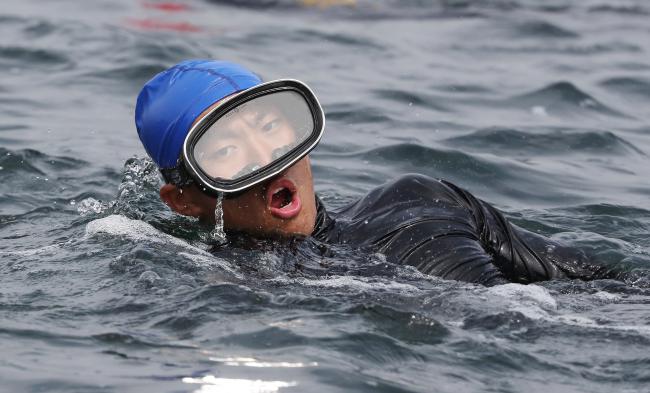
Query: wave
point(30, 161)
point(548, 142)
point(562, 98)
point(576, 49)
point(23, 57)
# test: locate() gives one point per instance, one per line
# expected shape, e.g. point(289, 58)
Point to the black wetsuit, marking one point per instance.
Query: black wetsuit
point(445, 231)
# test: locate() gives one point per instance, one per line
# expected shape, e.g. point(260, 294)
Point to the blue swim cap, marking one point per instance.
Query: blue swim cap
point(170, 102)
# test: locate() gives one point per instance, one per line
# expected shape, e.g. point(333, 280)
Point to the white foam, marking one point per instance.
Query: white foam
point(606, 296)
point(33, 251)
point(537, 303)
point(117, 225)
point(91, 206)
point(140, 231)
point(530, 294)
point(208, 260)
point(531, 301)
point(354, 283)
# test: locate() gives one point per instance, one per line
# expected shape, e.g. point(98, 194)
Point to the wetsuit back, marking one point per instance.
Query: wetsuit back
point(445, 231)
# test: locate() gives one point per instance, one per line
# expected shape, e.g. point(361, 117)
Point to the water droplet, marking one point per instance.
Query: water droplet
point(218, 233)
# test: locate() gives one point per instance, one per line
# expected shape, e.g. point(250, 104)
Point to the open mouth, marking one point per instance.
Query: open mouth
point(282, 198)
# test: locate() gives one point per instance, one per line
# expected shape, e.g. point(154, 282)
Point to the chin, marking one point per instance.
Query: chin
point(293, 231)
point(299, 226)
point(284, 206)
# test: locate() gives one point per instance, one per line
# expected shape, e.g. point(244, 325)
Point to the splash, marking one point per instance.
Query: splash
point(218, 234)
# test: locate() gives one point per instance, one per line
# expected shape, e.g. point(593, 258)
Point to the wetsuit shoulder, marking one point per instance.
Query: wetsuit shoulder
point(423, 222)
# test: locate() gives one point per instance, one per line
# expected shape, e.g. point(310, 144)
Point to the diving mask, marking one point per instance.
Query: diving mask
point(250, 137)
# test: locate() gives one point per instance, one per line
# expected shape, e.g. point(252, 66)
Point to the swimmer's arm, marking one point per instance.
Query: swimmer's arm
point(573, 262)
point(510, 253)
point(456, 255)
point(527, 257)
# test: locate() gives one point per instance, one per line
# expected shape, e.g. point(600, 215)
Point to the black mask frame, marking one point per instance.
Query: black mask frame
point(188, 171)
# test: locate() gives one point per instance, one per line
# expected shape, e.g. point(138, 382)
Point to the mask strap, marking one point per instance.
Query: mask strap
point(177, 175)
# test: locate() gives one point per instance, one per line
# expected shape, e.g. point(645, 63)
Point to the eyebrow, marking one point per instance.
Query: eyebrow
point(228, 133)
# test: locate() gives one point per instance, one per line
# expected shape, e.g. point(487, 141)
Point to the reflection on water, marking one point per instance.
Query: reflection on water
point(211, 384)
point(252, 362)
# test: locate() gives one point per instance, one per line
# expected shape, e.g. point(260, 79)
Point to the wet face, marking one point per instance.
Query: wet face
point(282, 206)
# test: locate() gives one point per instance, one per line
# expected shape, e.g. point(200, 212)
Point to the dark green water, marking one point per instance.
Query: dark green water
point(540, 107)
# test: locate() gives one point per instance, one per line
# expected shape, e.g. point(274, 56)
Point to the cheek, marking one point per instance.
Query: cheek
point(245, 211)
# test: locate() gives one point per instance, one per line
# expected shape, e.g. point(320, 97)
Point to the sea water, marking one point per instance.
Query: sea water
point(539, 107)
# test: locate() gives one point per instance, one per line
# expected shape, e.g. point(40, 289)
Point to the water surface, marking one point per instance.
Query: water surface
point(540, 107)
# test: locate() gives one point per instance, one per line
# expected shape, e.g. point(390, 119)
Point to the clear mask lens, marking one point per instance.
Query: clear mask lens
point(253, 135)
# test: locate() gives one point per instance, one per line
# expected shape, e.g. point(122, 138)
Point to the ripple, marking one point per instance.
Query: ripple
point(39, 28)
point(131, 73)
point(405, 326)
point(356, 114)
point(423, 157)
point(548, 142)
point(355, 41)
point(257, 4)
point(130, 341)
point(542, 29)
point(542, 49)
point(632, 10)
point(368, 9)
point(22, 57)
point(411, 98)
point(637, 87)
point(29, 161)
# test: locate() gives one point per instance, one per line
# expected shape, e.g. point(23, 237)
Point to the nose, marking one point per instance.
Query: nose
point(259, 151)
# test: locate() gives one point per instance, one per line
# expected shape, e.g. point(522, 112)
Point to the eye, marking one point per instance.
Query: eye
point(224, 152)
point(271, 125)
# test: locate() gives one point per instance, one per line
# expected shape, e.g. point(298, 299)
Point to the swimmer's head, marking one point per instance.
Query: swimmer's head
point(200, 156)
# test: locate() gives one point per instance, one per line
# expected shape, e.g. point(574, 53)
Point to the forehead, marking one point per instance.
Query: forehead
point(210, 108)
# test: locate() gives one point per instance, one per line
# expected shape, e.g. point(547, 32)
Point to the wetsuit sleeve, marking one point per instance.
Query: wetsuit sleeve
point(452, 252)
point(526, 257)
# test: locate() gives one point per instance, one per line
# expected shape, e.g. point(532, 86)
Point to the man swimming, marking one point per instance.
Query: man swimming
point(217, 131)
